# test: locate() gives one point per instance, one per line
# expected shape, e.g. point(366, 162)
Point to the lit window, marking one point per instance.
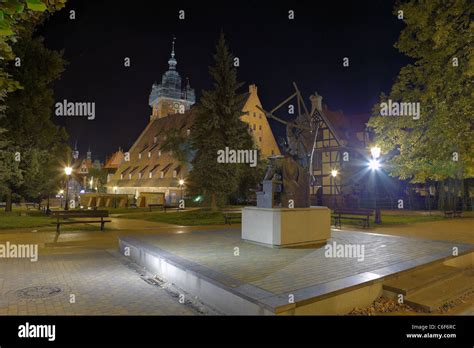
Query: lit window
point(129, 176)
point(162, 174)
point(121, 176)
point(159, 153)
point(154, 140)
point(188, 132)
point(139, 156)
point(139, 175)
point(149, 154)
point(150, 175)
point(174, 173)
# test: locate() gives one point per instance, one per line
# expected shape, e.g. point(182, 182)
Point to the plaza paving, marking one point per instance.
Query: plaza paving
point(285, 270)
point(85, 263)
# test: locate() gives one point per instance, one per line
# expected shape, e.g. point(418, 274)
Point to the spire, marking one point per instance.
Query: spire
point(172, 61)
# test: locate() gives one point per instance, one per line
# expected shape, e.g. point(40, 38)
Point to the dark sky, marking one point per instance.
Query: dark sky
point(273, 52)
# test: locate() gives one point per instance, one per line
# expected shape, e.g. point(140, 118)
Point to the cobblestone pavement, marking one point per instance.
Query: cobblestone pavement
point(83, 266)
point(280, 270)
point(98, 281)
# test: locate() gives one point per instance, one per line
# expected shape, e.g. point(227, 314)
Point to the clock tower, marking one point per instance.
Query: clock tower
point(170, 97)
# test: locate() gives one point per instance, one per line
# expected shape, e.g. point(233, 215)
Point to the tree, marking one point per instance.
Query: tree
point(438, 145)
point(217, 126)
point(31, 132)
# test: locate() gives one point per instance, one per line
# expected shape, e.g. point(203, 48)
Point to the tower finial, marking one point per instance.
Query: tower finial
point(172, 48)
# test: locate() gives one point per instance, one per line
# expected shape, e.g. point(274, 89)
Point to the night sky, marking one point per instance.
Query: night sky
point(273, 52)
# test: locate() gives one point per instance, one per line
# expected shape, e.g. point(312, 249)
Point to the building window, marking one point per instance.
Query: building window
point(121, 176)
point(159, 153)
point(150, 175)
point(273, 152)
point(260, 127)
point(139, 156)
point(254, 127)
point(162, 174)
point(174, 173)
point(318, 160)
point(188, 132)
point(149, 154)
point(139, 175)
point(260, 139)
point(254, 114)
point(154, 140)
point(129, 176)
point(260, 116)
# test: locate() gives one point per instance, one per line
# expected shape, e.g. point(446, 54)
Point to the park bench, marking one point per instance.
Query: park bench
point(62, 215)
point(453, 213)
point(231, 214)
point(153, 205)
point(171, 206)
point(346, 213)
point(30, 205)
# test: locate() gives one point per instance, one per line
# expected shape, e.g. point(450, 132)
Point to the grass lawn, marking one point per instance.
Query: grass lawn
point(14, 220)
point(393, 220)
point(185, 218)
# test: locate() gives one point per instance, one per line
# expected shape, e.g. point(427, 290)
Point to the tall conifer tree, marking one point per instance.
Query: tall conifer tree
point(217, 126)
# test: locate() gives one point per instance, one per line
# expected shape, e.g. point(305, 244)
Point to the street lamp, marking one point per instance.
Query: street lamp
point(374, 165)
point(61, 196)
point(334, 173)
point(181, 184)
point(68, 171)
point(115, 196)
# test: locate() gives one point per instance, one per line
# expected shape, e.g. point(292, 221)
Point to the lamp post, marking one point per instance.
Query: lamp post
point(374, 165)
point(115, 196)
point(61, 196)
point(334, 173)
point(181, 184)
point(68, 171)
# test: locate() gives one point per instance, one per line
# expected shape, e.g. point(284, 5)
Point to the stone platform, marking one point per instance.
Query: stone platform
point(236, 277)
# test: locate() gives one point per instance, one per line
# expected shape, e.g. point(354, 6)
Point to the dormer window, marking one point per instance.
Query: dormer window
point(174, 173)
point(129, 176)
point(139, 175)
point(149, 154)
point(154, 140)
point(150, 175)
point(162, 174)
point(188, 132)
point(139, 156)
point(159, 153)
point(121, 176)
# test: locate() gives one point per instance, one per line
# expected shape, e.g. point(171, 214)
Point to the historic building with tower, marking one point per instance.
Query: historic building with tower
point(147, 170)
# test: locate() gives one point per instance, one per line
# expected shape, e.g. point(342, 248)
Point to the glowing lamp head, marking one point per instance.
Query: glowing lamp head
point(181, 182)
point(334, 173)
point(68, 171)
point(61, 192)
point(115, 189)
point(374, 164)
point(375, 151)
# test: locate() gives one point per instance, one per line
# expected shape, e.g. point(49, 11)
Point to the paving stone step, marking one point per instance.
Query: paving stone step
point(419, 279)
point(436, 295)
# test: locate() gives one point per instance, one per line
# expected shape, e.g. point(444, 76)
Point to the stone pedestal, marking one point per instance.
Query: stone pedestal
point(280, 227)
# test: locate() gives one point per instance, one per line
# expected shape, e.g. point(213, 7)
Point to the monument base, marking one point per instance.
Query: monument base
point(283, 227)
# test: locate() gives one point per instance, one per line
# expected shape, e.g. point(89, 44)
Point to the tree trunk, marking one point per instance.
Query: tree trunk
point(8, 205)
point(213, 202)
